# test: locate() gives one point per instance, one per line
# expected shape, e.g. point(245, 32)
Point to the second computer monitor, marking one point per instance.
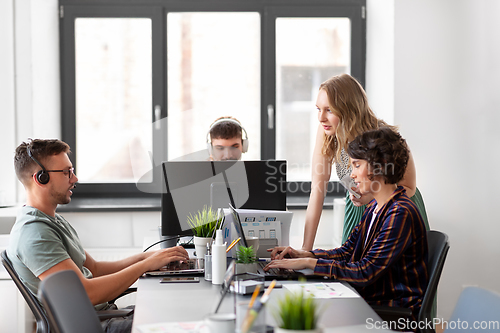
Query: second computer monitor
point(191, 185)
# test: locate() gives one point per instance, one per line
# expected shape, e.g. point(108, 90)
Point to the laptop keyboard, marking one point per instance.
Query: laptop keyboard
point(176, 265)
point(275, 271)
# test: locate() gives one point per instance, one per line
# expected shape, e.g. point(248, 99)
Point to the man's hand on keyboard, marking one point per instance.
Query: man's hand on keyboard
point(162, 257)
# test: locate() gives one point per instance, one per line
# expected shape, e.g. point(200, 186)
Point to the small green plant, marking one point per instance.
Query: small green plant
point(245, 255)
point(205, 222)
point(297, 312)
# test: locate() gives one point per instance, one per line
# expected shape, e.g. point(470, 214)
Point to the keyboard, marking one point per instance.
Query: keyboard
point(277, 272)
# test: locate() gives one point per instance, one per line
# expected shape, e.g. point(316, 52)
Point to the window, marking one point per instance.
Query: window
point(142, 84)
point(203, 85)
point(308, 51)
point(113, 98)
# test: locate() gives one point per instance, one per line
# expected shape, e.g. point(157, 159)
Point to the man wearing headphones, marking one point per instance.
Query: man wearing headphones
point(226, 139)
point(42, 242)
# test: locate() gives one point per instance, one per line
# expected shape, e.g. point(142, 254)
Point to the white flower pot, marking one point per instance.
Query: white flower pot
point(246, 268)
point(282, 330)
point(200, 245)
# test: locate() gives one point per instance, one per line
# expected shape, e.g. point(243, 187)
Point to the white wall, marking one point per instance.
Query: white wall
point(7, 98)
point(431, 64)
point(35, 50)
point(447, 101)
point(380, 58)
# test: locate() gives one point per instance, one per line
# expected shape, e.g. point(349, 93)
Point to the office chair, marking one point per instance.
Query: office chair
point(68, 307)
point(42, 322)
point(438, 245)
point(475, 306)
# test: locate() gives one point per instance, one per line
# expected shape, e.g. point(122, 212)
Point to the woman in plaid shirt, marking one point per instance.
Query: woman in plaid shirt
point(385, 257)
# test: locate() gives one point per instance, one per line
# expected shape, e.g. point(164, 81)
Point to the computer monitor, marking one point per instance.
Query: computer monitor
point(191, 185)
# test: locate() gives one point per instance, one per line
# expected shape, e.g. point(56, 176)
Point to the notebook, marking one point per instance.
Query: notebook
point(192, 266)
point(275, 273)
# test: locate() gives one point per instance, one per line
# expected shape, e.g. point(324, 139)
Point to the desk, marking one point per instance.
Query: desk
point(180, 302)
point(183, 302)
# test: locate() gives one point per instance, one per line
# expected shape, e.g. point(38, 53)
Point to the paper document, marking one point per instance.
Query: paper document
point(323, 290)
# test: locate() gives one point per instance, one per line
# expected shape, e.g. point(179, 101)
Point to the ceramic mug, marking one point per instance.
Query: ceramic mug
point(253, 241)
point(220, 323)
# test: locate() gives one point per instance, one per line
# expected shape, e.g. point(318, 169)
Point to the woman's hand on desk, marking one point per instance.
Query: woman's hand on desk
point(160, 258)
point(279, 252)
point(296, 263)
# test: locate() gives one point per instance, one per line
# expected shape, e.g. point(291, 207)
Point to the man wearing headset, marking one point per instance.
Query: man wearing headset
point(226, 139)
point(42, 242)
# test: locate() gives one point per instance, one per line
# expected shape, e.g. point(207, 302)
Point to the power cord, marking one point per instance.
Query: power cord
point(161, 241)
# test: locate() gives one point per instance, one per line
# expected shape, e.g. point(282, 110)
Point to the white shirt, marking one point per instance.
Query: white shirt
point(371, 223)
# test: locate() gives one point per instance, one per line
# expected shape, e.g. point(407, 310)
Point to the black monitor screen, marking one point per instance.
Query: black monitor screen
point(191, 185)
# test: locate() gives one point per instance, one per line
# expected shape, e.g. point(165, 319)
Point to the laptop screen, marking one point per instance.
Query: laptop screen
point(238, 226)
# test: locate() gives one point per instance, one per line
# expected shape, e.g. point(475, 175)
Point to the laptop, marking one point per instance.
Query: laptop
point(274, 273)
point(191, 266)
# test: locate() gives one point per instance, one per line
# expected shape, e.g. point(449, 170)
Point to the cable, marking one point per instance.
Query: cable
point(188, 243)
point(161, 241)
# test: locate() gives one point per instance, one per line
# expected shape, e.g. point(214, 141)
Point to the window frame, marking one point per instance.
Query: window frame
point(68, 87)
point(157, 10)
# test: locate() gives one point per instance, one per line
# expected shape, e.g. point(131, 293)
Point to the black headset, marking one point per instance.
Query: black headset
point(42, 176)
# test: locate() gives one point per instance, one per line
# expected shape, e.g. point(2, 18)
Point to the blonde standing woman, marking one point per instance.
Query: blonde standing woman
point(343, 114)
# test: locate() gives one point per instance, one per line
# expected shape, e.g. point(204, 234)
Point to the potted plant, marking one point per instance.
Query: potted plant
point(297, 313)
point(203, 224)
point(246, 260)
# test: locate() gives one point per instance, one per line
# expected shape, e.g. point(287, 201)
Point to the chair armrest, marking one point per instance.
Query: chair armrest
point(106, 314)
point(126, 292)
point(389, 313)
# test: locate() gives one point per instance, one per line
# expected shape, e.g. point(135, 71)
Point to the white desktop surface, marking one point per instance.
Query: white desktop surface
point(184, 302)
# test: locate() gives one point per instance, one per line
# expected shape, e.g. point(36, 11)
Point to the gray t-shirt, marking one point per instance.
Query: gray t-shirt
point(39, 241)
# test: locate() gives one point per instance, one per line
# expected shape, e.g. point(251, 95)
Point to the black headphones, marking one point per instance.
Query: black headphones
point(42, 176)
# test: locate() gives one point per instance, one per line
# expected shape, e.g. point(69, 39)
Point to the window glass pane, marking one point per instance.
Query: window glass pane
point(113, 99)
point(308, 51)
point(213, 71)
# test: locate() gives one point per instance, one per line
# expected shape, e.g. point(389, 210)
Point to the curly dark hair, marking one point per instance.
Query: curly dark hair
point(225, 129)
point(385, 151)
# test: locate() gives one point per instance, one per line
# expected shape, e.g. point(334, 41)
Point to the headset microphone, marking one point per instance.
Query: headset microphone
point(42, 176)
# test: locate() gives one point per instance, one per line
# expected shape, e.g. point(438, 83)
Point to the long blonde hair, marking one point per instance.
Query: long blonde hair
point(349, 103)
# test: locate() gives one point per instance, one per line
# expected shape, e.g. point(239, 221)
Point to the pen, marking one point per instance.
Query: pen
point(264, 297)
point(254, 311)
point(234, 240)
point(254, 296)
point(233, 244)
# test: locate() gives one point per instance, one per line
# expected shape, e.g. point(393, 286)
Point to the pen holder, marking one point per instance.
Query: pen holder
point(208, 267)
point(244, 314)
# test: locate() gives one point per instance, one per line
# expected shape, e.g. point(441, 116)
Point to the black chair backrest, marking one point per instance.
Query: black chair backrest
point(439, 245)
point(67, 303)
point(42, 323)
